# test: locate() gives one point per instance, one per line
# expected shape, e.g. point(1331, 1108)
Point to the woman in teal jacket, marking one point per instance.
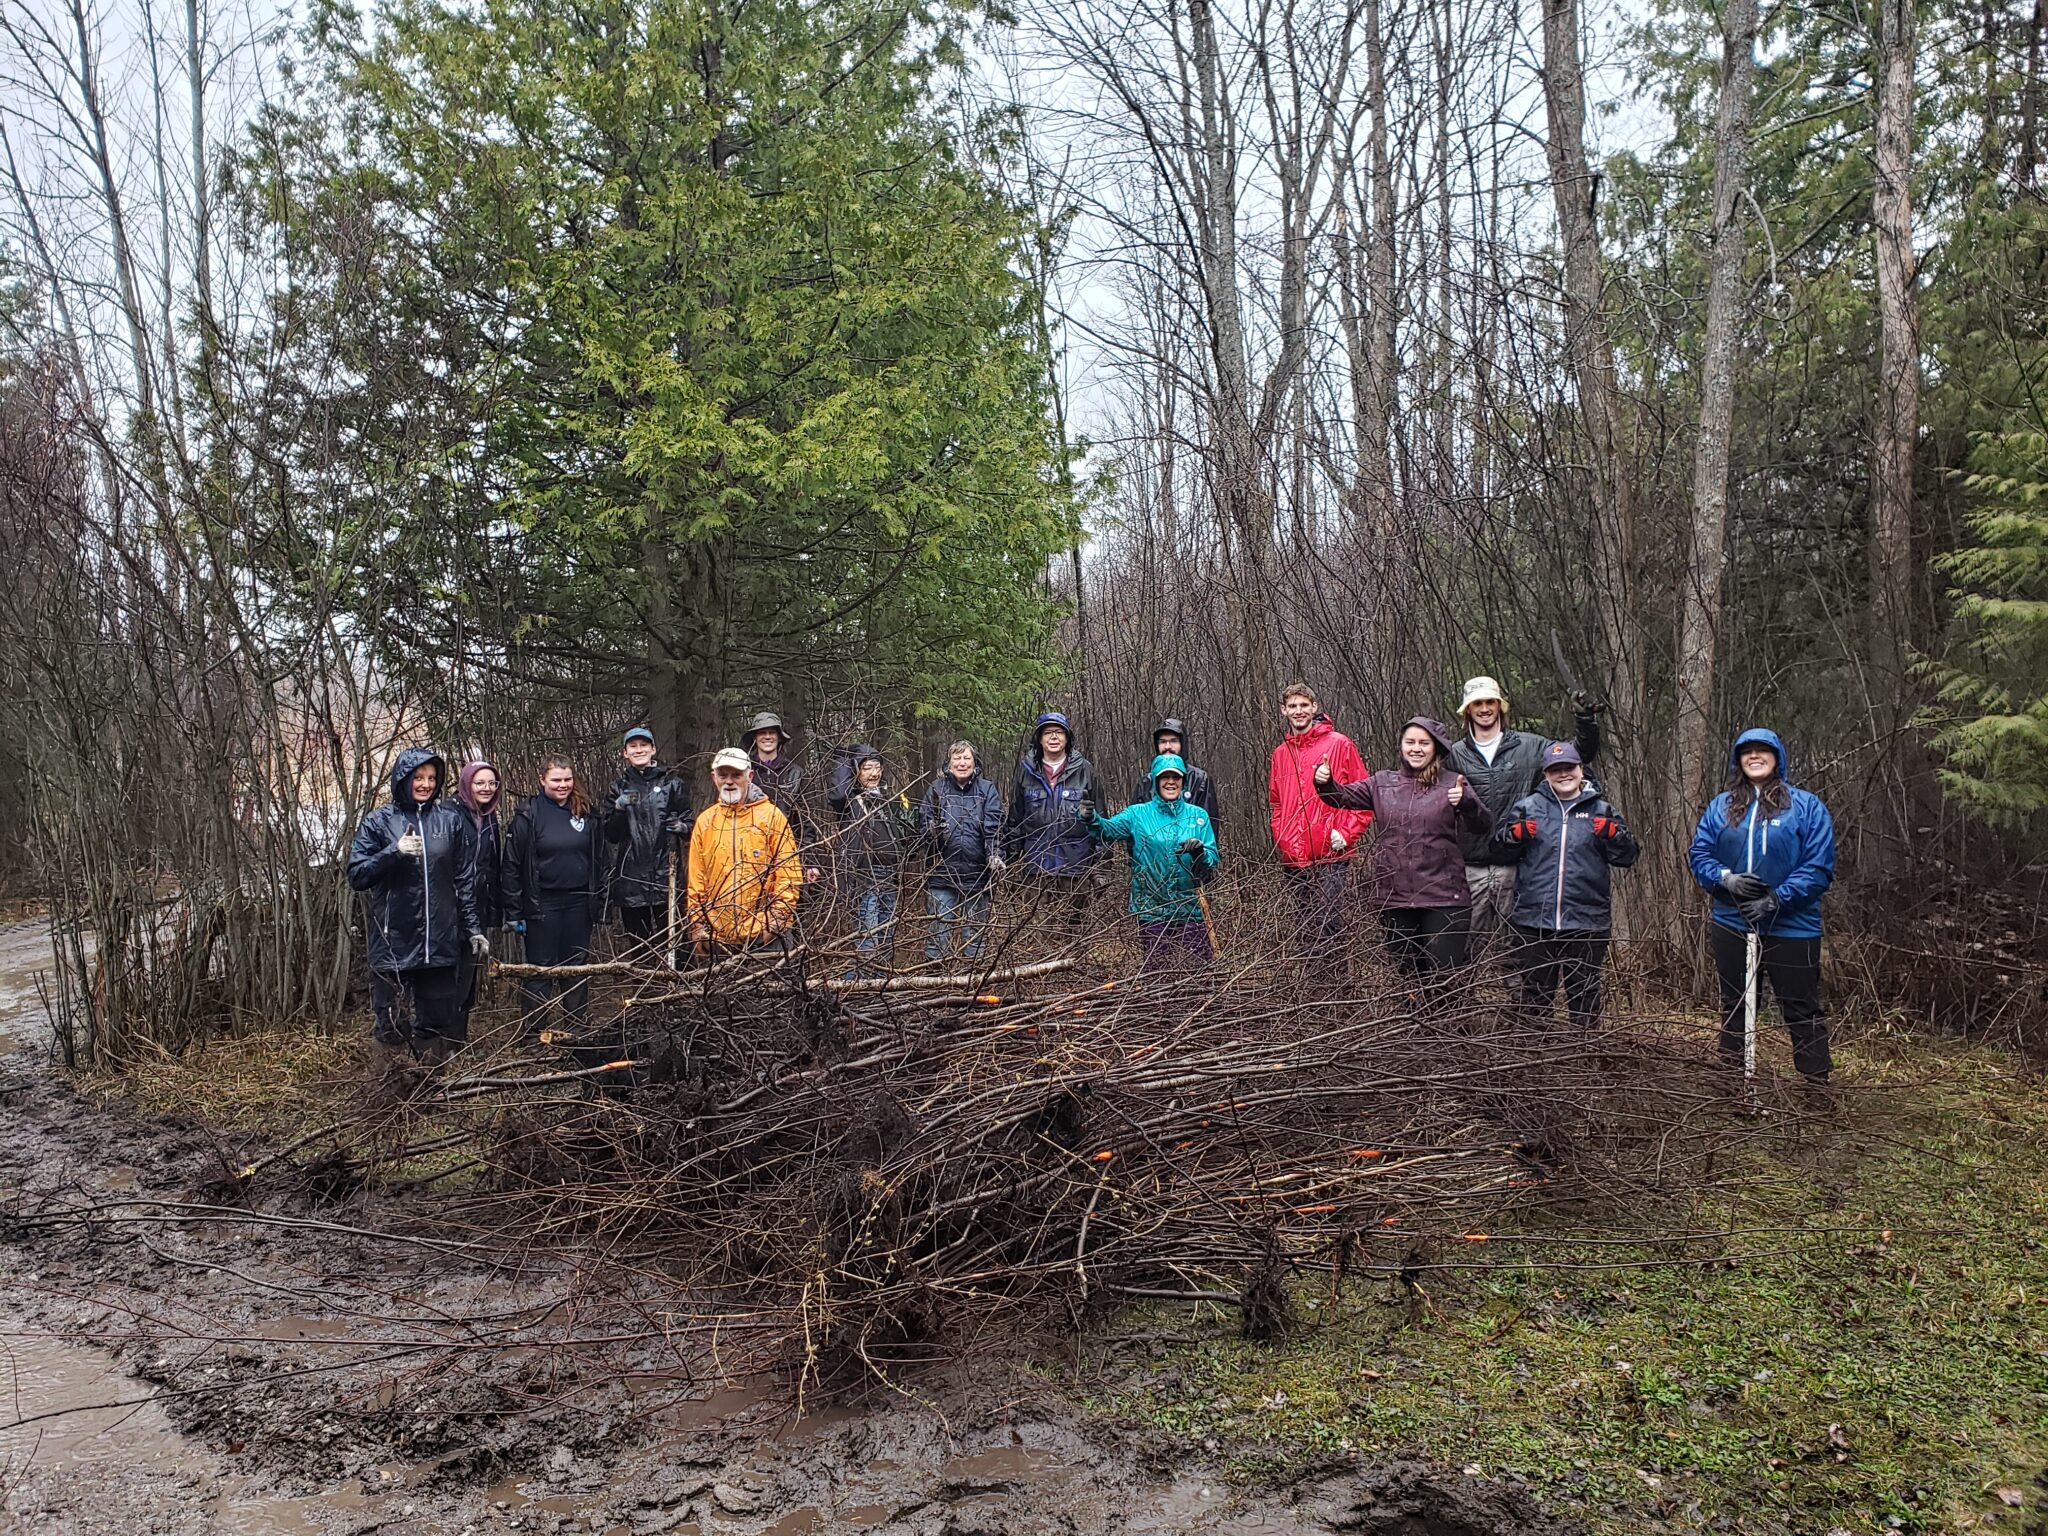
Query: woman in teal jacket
point(1173, 854)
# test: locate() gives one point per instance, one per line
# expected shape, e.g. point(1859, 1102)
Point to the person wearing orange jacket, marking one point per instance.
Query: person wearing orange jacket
point(745, 877)
point(1316, 841)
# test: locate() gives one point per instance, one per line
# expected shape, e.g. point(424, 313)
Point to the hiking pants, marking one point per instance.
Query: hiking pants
point(1792, 967)
point(1542, 959)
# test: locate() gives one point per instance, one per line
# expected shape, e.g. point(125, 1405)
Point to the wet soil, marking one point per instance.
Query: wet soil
point(171, 1366)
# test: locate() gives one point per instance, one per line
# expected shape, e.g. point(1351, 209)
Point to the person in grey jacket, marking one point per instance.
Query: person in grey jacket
point(1561, 842)
point(1503, 765)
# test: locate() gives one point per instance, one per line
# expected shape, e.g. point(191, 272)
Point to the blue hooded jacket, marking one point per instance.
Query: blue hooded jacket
point(1164, 881)
point(1793, 852)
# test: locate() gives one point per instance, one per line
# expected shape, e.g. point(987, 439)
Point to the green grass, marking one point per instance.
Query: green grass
point(1858, 1381)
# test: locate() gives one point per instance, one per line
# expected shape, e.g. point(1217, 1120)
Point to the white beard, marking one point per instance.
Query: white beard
point(731, 794)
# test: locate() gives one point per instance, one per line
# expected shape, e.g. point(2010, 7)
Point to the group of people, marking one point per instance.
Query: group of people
point(1480, 838)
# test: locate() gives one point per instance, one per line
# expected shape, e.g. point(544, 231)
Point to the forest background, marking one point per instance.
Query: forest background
point(501, 374)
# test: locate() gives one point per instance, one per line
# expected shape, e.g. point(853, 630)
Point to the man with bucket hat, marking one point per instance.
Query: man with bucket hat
point(779, 776)
point(1503, 765)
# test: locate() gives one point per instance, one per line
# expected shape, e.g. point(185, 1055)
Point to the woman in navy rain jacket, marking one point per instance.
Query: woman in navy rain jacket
point(1766, 852)
point(416, 859)
point(1043, 834)
point(1563, 838)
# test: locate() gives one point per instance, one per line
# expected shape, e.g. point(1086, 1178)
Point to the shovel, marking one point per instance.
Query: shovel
point(1753, 946)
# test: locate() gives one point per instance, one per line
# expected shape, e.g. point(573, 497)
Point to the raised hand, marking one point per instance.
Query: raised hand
point(1323, 771)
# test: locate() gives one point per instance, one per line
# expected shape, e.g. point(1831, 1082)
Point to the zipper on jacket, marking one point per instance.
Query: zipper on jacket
point(426, 892)
point(1749, 847)
point(1564, 834)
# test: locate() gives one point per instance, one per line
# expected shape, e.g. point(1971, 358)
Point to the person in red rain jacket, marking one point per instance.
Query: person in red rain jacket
point(1316, 842)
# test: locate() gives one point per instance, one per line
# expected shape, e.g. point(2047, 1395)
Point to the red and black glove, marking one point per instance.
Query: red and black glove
point(1521, 831)
point(1606, 826)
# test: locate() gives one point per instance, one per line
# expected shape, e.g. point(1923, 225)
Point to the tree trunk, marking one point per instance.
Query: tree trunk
point(1591, 349)
point(1895, 417)
point(1700, 597)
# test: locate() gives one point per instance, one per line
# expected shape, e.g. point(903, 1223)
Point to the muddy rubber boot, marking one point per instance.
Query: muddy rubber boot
point(1818, 1096)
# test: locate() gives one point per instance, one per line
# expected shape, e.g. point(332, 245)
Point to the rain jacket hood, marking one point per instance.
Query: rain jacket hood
point(1167, 762)
point(410, 762)
point(1753, 736)
point(1172, 727)
point(1439, 733)
point(465, 788)
point(1793, 852)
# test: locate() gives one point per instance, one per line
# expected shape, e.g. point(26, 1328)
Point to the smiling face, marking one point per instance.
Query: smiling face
point(731, 784)
point(1484, 715)
point(1169, 785)
point(483, 788)
point(556, 784)
point(424, 781)
point(870, 773)
point(767, 743)
point(639, 752)
point(1565, 779)
point(1300, 710)
point(1758, 762)
point(1052, 741)
point(1417, 748)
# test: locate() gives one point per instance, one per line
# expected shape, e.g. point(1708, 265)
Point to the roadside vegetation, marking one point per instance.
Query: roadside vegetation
point(1868, 1352)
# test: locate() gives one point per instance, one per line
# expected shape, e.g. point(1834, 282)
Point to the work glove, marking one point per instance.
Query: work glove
point(676, 826)
point(1337, 841)
point(409, 843)
point(622, 802)
point(1586, 704)
point(519, 926)
point(1743, 887)
point(1191, 847)
point(996, 864)
point(1522, 831)
point(479, 946)
point(1607, 826)
point(1085, 810)
point(1759, 912)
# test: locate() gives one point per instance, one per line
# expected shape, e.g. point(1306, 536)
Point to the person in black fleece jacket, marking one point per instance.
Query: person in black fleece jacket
point(554, 888)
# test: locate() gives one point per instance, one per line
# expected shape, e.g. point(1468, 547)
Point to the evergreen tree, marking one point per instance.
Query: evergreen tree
point(674, 353)
point(1993, 693)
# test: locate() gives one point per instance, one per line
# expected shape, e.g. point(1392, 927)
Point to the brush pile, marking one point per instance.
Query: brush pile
point(869, 1177)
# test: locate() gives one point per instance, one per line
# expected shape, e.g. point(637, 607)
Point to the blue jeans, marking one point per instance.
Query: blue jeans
point(874, 915)
point(950, 909)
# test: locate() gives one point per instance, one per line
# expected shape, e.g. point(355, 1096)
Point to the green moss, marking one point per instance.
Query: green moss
point(1871, 1353)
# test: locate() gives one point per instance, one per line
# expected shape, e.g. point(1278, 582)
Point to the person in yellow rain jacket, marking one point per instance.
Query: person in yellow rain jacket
point(744, 873)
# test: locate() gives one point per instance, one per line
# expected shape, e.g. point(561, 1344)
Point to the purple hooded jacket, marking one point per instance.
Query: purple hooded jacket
point(1417, 859)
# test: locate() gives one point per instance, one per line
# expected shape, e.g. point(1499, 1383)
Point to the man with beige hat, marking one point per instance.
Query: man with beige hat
point(1503, 764)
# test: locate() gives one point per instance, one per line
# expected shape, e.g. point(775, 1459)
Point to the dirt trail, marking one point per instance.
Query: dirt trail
point(174, 1375)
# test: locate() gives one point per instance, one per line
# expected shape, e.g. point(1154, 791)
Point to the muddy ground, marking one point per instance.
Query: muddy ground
point(170, 1366)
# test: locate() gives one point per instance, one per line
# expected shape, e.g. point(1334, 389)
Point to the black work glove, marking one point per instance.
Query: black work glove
point(1192, 848)
point(1585, 704)
point(1085, 810)
point(1742, 888)
point(1759, 912)
point(625, 800)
